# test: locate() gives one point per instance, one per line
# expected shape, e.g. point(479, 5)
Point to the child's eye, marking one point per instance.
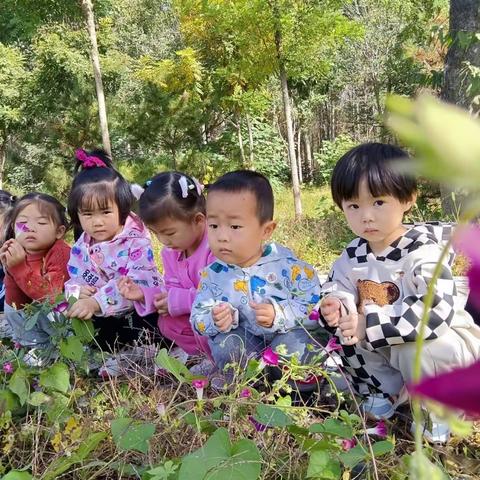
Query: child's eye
point(213, 226)
point(235, 227)
point(379, 203)
point(352, 206)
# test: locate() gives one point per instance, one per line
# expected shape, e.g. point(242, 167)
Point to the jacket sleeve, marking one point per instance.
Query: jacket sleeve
point(201, 315)
point(400, 323)
point(74, 266)
point(140, 267)
point(49, 279)
point(303, 294)
point(14, 295)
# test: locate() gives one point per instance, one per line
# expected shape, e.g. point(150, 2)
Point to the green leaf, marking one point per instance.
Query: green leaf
point(218, 459)
point(354, 456)
point(332, 426)
point(17, 475)
point(129, 434)
point(323, 465)
point(172, 365)
point(19, 385)
point(421, 467)
point(382, 447)
point(8, 401)
point(272, 416)
point(31, 321)
point(83, 329)
point(58, 410)
point(38, 398)
point(56, 377)
point(72, 348)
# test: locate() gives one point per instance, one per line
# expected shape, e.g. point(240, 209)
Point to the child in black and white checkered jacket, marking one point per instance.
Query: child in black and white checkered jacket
point(374, 297)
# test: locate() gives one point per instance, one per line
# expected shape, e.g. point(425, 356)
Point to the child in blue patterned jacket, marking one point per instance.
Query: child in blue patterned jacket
point(257, 294)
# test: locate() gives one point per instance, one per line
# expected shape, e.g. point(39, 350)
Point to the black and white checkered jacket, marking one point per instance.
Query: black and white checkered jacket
point(406, 267)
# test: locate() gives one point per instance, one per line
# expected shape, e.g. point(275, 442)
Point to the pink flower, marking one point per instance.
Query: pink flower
point(269, 357)
point(348, 443)
point(458, 389)
point(314, 315)
point(474, 284)
point(61, 307)
point(259, 427)
point(332, 345)
point(123, 271)
point(8, 368)
point(199, 384)
point(21, 228)
point(17, 346)
point(246, 393)
point(379, 429)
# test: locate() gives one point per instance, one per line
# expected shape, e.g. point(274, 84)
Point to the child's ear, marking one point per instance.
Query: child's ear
point(268, 229)
point(199, 218)
point(60, 232)
point(411, 202)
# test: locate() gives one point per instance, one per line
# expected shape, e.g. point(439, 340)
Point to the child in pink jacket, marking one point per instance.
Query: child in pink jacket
point(173, 207)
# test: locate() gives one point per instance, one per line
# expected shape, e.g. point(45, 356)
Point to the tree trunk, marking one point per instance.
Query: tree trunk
point(3, 158)
point(464, 22)
point(297, 200)
point(250, 141)
point(240, 141)
point(308, 155)
point(102, 110)
point(299, 155)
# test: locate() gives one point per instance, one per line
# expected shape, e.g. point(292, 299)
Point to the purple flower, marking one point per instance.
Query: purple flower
point(259, 427)
point(21, 228)
point(379, 429)
point(8, 368)
point(458, 389)
point(332, 345)
point(17, 345)
point(123, 271)
point(199, 384)
point(474, 284)
point(61, 307)
point(269, 357)
point(348, 443)
point(246, 393)
point(314, 315)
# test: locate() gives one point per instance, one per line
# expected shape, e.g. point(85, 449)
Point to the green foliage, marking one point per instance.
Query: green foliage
point(129, 434)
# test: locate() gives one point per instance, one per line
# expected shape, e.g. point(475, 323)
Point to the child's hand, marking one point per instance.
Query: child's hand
point(130, 290)
point(353, 328)
point(160, 302)
point(330, 310)
point(264, 313)
point(84, 309)
point(86, 291)
point(222, 316)
point(12, 253)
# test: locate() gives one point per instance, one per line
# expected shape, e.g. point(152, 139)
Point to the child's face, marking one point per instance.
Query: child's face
point(180, 235)
point(35, 231)
point(235, 234)
point(376, 219)
point(102, 224)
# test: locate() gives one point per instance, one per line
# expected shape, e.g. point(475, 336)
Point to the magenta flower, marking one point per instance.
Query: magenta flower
point(17, 345)
point(8, 368)
point(123, 271)
point(380, 429)
point(458, 389)
point(199, 384)
point(269, 357)
point(259, 427)
point(332, 345)
point(314, 315)
point(21, 228)
point(246, 393)
point(467, 240)
point(348, 443)
point(61, 307)
point(310, 379)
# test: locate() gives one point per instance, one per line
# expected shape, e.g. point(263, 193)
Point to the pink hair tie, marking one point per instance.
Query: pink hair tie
point(88, 161)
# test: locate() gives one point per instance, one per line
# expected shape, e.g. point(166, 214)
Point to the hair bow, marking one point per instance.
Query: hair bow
point(185, 186)
point(88, 161)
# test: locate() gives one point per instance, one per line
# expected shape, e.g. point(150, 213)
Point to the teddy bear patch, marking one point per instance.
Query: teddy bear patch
point(385, 293)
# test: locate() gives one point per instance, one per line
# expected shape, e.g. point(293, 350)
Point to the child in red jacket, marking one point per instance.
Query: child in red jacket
point(35, 258)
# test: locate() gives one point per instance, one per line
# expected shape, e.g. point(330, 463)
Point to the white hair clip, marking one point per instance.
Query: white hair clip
point(137, 190)
point(185, 186)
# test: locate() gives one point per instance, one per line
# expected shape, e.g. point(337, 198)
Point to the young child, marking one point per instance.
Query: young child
point(374, 297)
point(256, 294)
point(173, 208)
point(35, 258)
point(114, 243)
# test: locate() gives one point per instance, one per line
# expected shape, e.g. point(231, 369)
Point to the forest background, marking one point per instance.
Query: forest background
point(203, 86)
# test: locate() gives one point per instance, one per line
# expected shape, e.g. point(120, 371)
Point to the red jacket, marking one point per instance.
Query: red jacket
point(38, 276)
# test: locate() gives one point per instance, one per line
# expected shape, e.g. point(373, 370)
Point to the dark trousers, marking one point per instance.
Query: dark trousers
point(473, 310)
point(112, 333)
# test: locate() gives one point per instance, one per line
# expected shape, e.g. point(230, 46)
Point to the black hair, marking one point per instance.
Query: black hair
point(7, 201)
point(98, 187)
point(48, 206)
point(248, 181)
point(377, 163)
point(164, 198)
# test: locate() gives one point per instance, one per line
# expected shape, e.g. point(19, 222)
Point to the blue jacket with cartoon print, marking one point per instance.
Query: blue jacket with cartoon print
point(278, 277)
